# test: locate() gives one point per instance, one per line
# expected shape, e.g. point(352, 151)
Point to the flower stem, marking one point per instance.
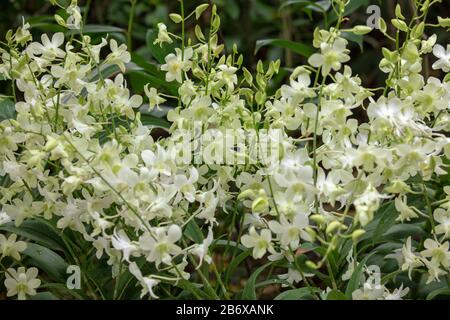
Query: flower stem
point(130, 25)
point(182, 30)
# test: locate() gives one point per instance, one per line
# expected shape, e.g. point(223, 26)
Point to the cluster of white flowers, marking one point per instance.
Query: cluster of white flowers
point(78, 154)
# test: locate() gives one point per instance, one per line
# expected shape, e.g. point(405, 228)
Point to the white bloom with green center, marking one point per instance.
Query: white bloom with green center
point(434, 271)
point(442, 216)
point(177, 63)
point(443, 56)
point(160, 244)
point(186, 186)
point(119, 55)
point(201, 250)
point(122, 242)
point(261, 243)
point(409, 258)
point(20, 210)
point(293, 276)
point(10, 247)
point(228, 76)
point(366, 205)
point(154, 99)
point(406, 213)
point(49, 49)
point(291, 232)
point(21, 282)
point(439, 253)
point(331, 57)
point(298, 90)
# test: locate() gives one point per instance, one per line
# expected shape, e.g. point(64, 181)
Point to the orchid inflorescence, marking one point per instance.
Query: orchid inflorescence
point(78, 156)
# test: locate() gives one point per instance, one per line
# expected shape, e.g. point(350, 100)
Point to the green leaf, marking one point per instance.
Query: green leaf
point(36, 231)
point(150, 120)
point(96, 28)
point(44, 296)
point(320, 6)
point(191, 287)
point(193, 232)
point(60, 287)
point(349, 9)
point(235, 263)
point(447, 77)
point(7, 109)
point(296, 294)
point(356, 38)
point(105, 71)
point(438, 292)
point(226, 243)
point(383, 228)
point(249, 289)
point(272, 280)
point(302, 3)
point(399, 231)
point(147, 66)
point(48, 261)
point(299, 48)
point(111, 70)
point(141, 78)
point(336, 295)
point(48, 27)
point(387, 219)
point(233, 9)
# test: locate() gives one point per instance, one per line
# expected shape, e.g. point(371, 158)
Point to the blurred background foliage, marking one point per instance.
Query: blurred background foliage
point(252, 24)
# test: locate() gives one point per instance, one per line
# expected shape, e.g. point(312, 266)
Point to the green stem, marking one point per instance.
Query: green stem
point(86, 11)
point(57, 109)
point(205, 280)
point(209, 55)
point(273, 196)
point(316, 124)
point(182, 30)
point(116, 284)
point(429, 207)
point(13, 85)
point(130, 25)
point(330, 271)
point(220, 282)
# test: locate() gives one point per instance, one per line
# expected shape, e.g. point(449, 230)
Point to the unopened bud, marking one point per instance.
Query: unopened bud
point(311, 264)
point(361, 30)
point(333, 226)
point(357, 234)
point(317, 218)
point(249, 193)
point(310, 231)
point(260, 204)
point(51, 144)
